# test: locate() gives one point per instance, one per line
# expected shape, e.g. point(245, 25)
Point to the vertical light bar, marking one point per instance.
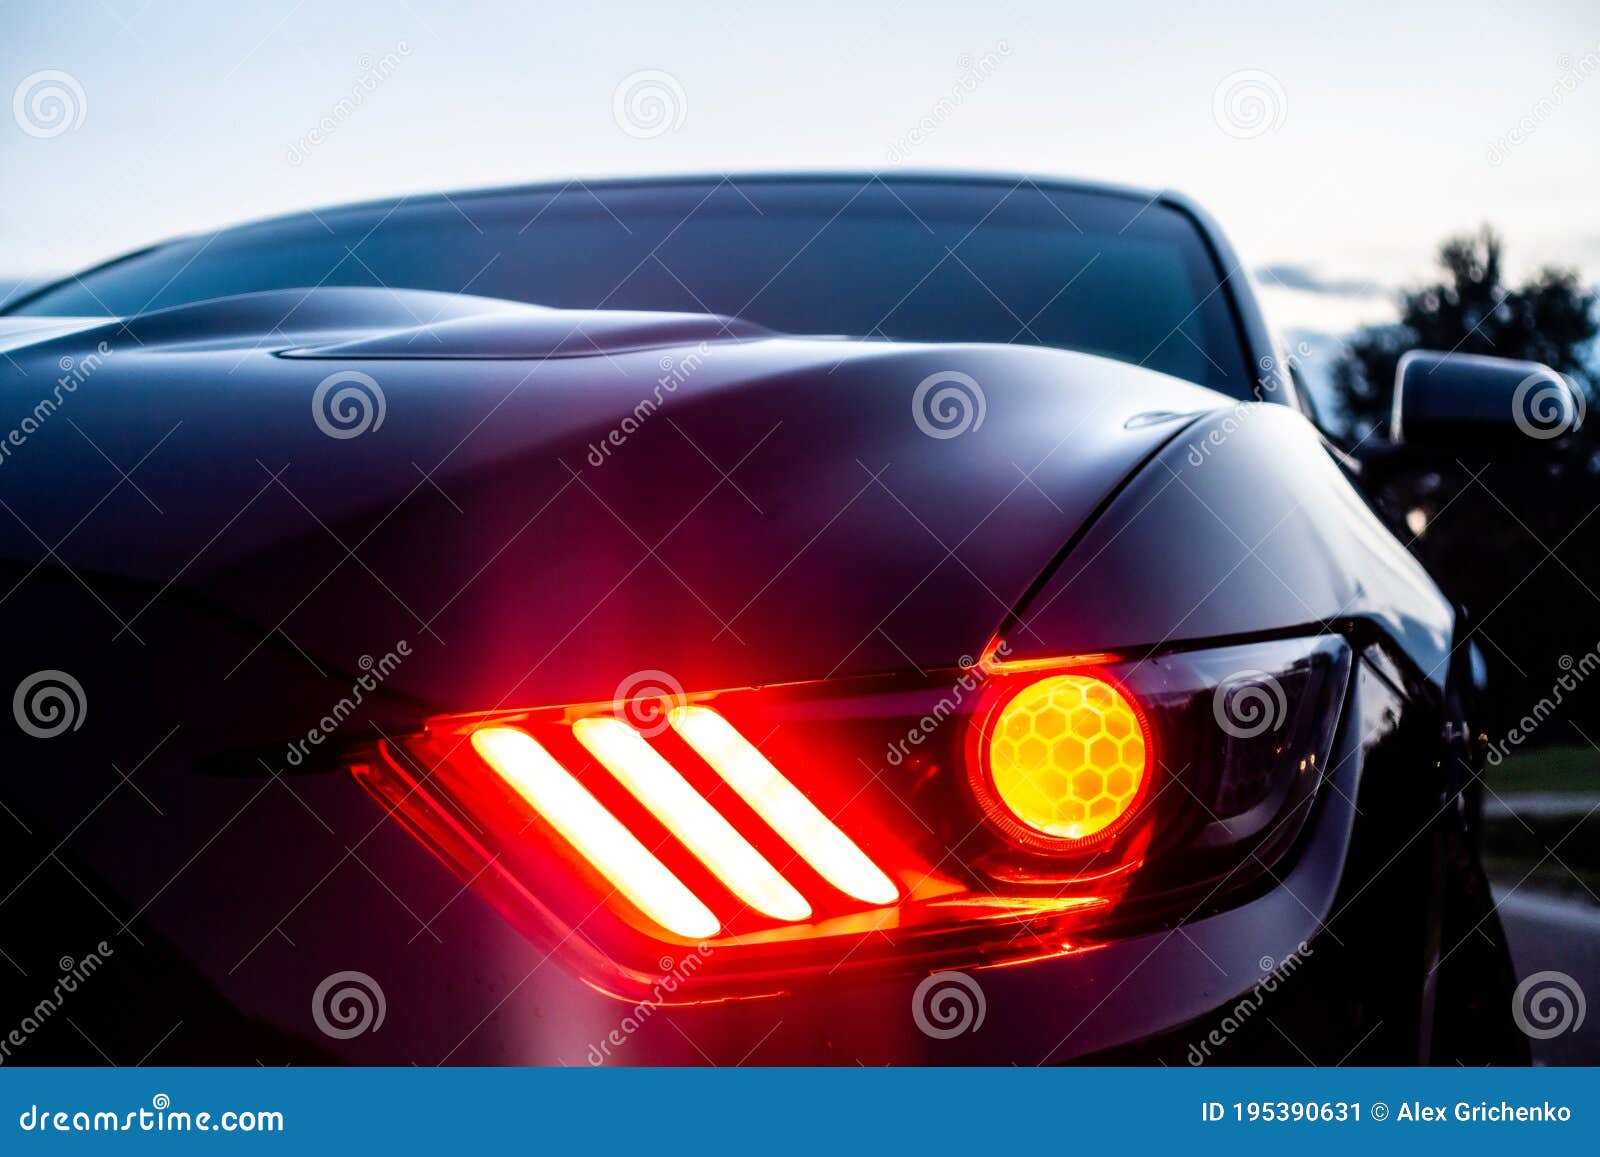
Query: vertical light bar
point(585, 824)
point(672, 800)
point(781, 804)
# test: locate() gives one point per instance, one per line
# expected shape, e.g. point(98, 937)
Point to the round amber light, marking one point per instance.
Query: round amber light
point(1067, 756)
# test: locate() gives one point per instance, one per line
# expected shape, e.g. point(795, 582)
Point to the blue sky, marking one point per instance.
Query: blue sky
point(1340, 142)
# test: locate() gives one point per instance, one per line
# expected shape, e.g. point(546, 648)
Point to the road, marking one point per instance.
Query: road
point(1551, 933)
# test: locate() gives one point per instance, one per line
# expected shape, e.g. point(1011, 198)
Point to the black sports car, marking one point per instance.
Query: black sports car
point(767, 620)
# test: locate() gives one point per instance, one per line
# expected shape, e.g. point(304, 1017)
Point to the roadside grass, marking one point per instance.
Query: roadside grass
point(1553, 854)
point(1565, 770)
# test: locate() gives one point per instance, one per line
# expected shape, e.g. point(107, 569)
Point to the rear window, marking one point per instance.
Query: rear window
point(924, 261)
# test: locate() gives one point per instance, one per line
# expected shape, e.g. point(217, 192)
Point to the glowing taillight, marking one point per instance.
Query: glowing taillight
point(686, 814)
point(794, 817)
point(878, 825)
point(692, 824)
point(1067, 757)
point(595, 833)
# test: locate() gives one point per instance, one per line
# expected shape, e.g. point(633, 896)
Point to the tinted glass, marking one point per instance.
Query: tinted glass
point(942, 262)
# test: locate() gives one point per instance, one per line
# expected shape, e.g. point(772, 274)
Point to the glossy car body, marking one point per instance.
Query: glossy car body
point(185, 536)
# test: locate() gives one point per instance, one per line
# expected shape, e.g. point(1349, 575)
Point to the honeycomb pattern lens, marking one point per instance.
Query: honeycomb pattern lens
point(1067, 756)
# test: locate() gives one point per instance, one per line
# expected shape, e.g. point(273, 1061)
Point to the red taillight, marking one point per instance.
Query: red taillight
point(592, 832)
point(701, 828)
point(785, 808)
point(745, 877)
point(749, 829)
point(795, 835)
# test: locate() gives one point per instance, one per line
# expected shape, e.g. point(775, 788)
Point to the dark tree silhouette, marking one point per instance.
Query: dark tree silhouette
point(1515, 542)
point(1550, 319)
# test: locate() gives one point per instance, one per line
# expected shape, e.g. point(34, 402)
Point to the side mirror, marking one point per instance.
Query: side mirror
point(1464, 401)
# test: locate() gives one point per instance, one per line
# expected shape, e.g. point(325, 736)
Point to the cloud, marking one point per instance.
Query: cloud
point(1307, 279)
point(1327, 313)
